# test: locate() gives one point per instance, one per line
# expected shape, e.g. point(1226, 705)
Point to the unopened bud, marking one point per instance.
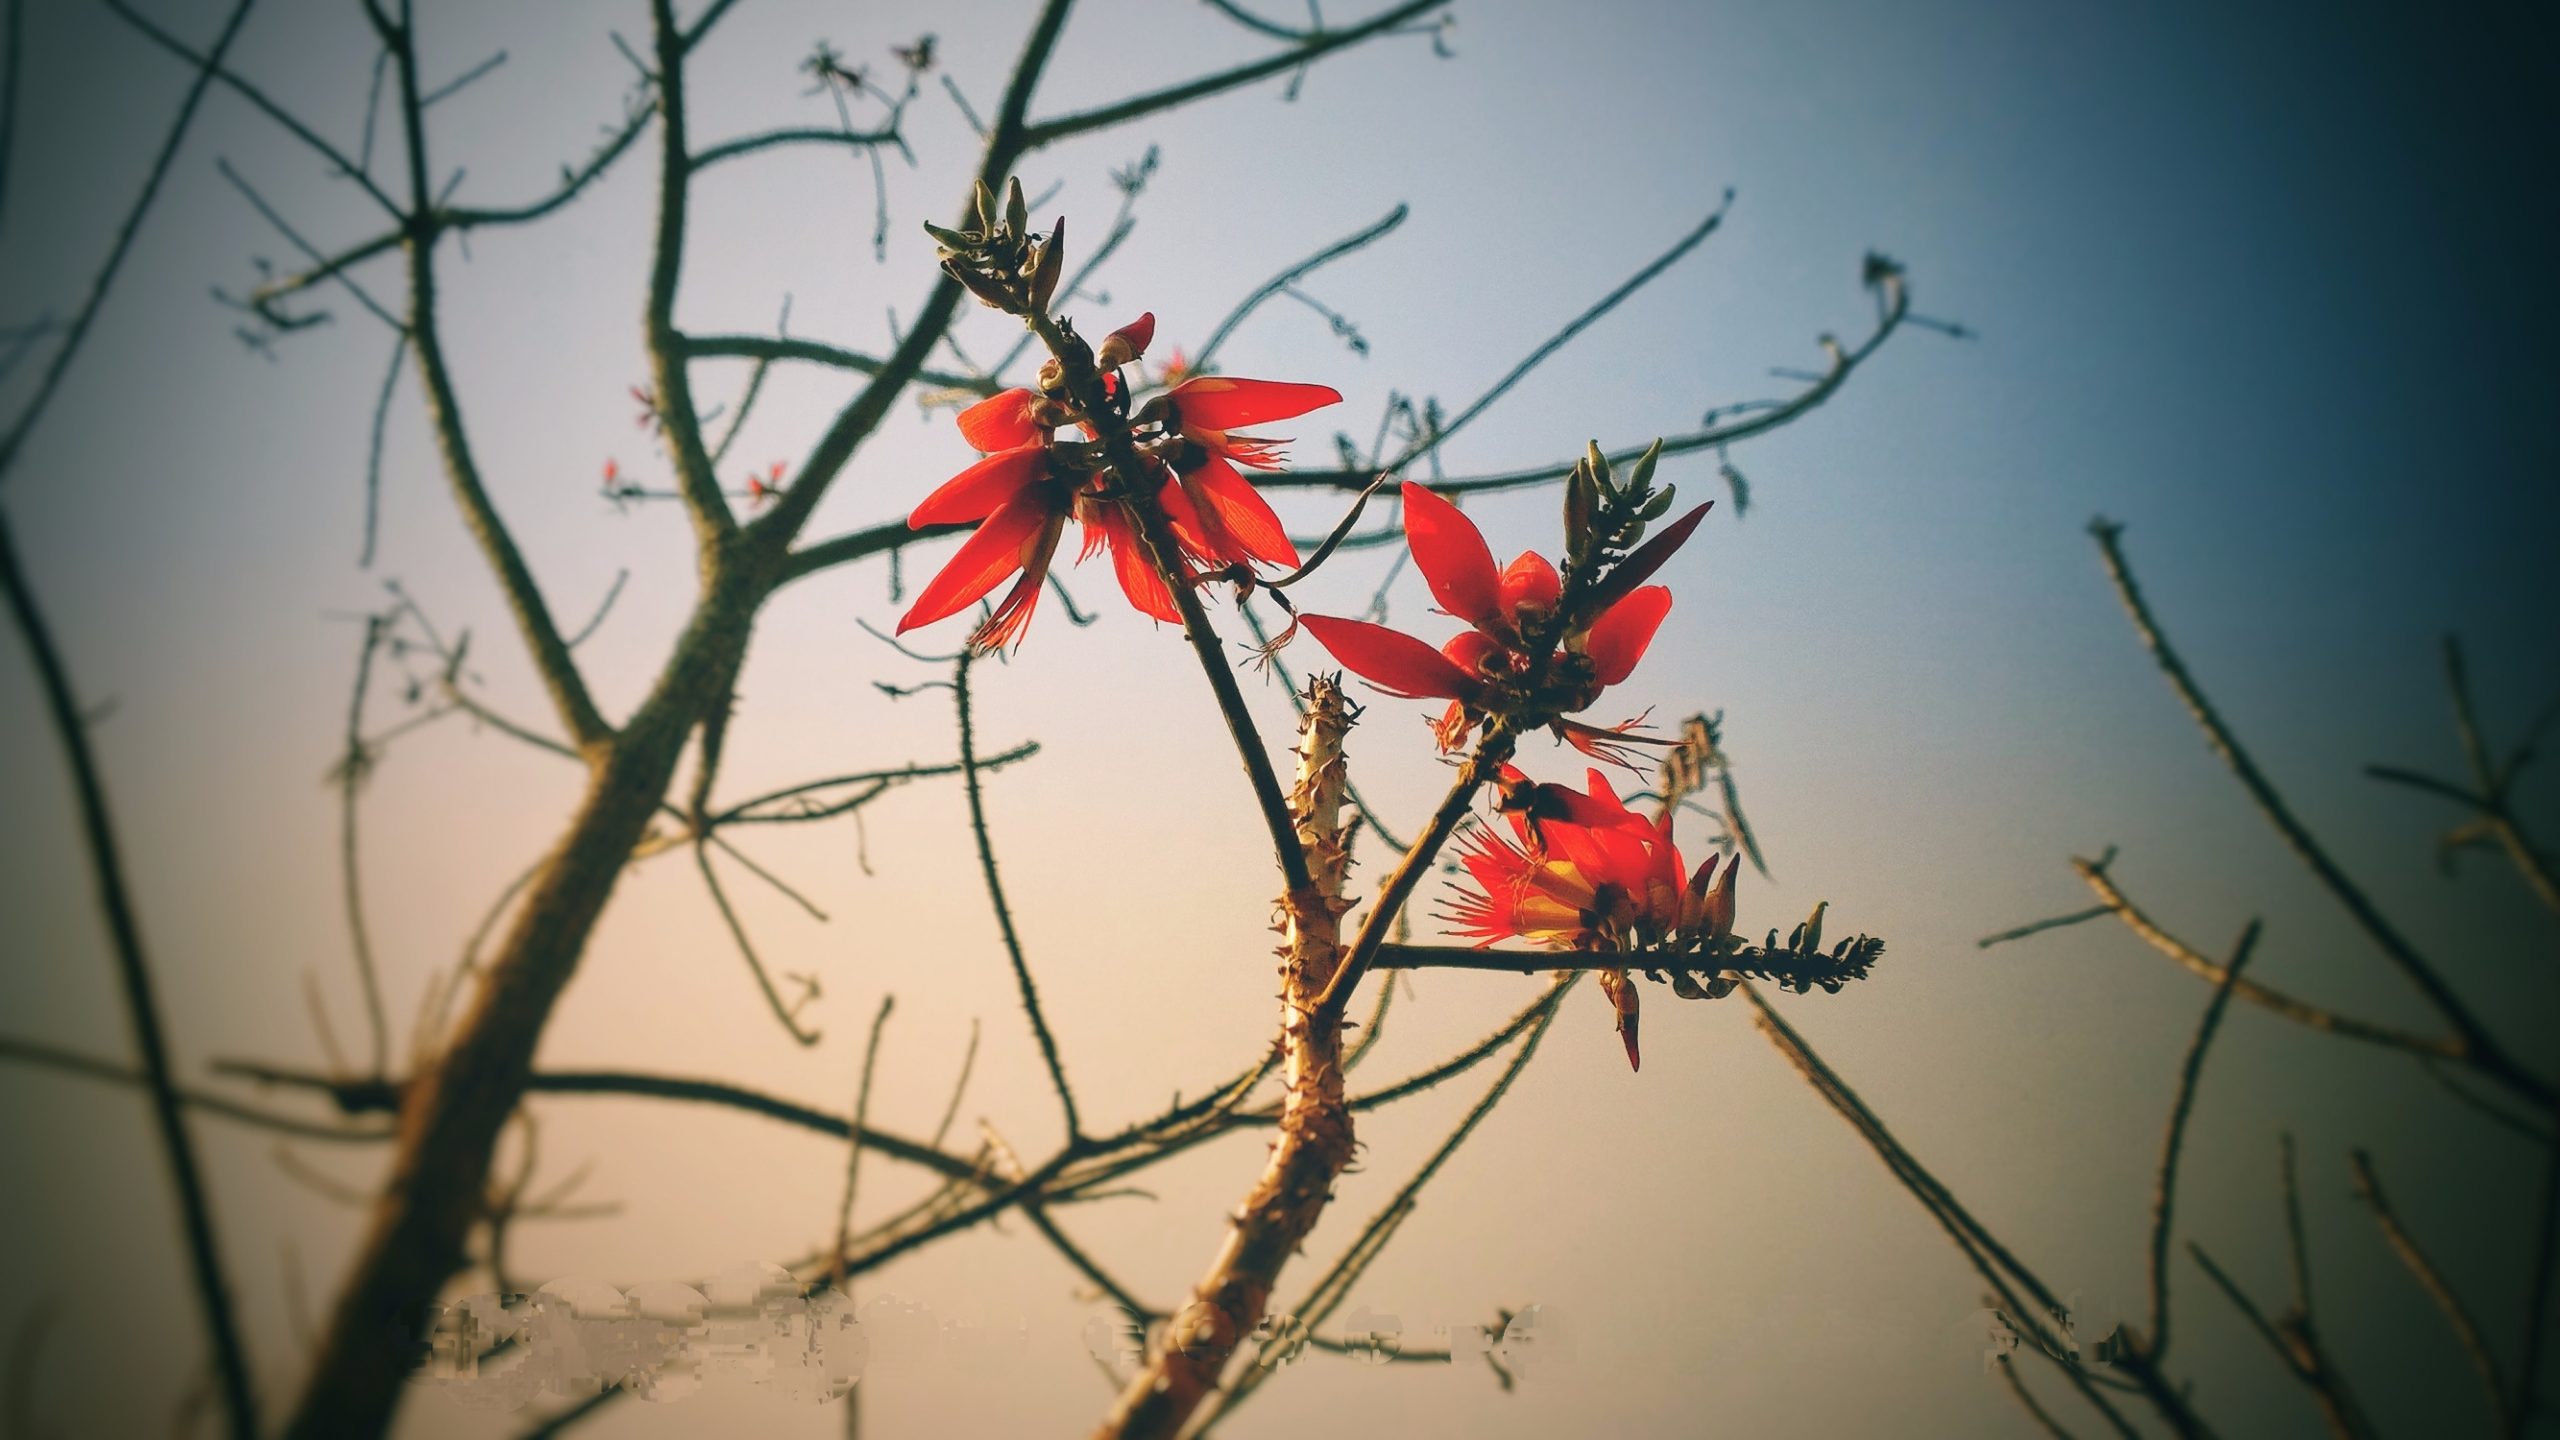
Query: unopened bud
point(1051, 264)
point(1693, 897)
point(1599, 464)
point(989, 290)
point(1126, 343)
point(988, 214)
point(1716, 912)
point(1641, 475)
point(1812, 930)
point(1623, 999)
point(1017, 215)
point(1655, 508)
point(1579, 499)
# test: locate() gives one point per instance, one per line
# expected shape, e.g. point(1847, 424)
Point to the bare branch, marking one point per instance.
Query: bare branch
point(2476, 1045)
point(71, 1062)
point(791, 347)
point(1358, 240)
point(2164, 1195)
point(1004, 912)
point(1314, 44)
point(678, 419)
point(853, 1156)
point(105, 852)
point(2368, 1187)
point(2300, 1012)
point(1823, 387)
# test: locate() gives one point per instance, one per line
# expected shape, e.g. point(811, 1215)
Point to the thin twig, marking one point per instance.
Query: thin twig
point(354, 767)
point(2368, 1188)
point(105, 855)
point(2477, 1045)
point(853, 1152)
point(1004, 912)
point(2164, 1195)
point(89, 1067)
point(1358, 240)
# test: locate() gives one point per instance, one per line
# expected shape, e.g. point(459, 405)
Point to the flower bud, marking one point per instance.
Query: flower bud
point(1716, 910)
point(1693, 898)
point(1126, 343)
point(1017, 215)
point(1623, 999)
point(1049, 266)
point(990, 291)
point(1641, 475)
point(1599, 464)
point(1579, 498)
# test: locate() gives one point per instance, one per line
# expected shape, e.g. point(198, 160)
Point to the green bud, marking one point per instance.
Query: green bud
point(948, 239)
point(1642, 475)
point(1660, 504)
point(987, 211)
point(1812, 930)
point(1579, 501)
point(1599, 464)
point(1051, 264)
point(1017, 216)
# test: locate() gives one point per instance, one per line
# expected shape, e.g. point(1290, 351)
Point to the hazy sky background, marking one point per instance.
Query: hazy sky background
point(2268, 283)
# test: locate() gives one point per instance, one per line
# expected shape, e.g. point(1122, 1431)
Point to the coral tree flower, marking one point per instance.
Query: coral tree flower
point(1482, 670)
point(1582, 872)
point(1230, 523)
point(1028, 484)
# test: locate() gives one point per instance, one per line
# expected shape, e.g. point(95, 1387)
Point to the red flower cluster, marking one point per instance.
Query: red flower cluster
point(1030, 484)
point(1583, 872)
point(1482, 670)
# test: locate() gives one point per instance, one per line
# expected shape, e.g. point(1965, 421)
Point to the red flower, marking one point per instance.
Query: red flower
point(1588, 875)
point(1023, 491)
point(1231, 524)
point(1479, 670)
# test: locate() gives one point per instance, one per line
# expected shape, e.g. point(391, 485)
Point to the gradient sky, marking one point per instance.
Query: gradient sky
point(2270, 284)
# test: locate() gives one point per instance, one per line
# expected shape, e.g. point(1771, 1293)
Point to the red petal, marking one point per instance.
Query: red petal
point(1020, 534)
point(1618, 638)
point(1473, 651)
point(1452, 555)
point(1002, 421)
point(978, 491)
point(1129, 564)
point(1648, 557)
point(1529, 580)
point(1218, 402)
point(1389, 659)
point(1240, 509)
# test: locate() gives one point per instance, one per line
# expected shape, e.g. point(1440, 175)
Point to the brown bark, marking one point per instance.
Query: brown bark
point(1314, 1141)
point(451, 1117)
